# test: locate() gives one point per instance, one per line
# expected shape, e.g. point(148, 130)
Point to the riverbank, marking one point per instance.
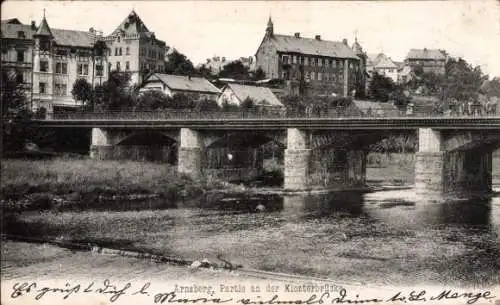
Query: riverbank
point(47, 184)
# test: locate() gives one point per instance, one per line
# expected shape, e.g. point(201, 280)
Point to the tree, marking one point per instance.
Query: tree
point(380, 87)
point(235, 69)
point(259, 74)
point(152, 100)
point(82, 91)
point(462, 80)
point(178, 64)
point(115, 93)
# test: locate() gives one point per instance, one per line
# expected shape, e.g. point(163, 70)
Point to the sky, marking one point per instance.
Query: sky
point(202, 29)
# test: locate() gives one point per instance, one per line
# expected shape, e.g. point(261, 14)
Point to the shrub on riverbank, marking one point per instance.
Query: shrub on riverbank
point(88, 181)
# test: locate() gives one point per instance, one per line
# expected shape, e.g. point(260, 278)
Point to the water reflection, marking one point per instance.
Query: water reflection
point(338, 204)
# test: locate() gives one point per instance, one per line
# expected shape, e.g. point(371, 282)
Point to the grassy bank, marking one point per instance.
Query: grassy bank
point(87, 181)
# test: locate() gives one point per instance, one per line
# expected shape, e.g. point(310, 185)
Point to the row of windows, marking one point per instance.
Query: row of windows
point(313, 61)
point(62, 68)
point(151, 53)
point(314, 76)
point(59, 89)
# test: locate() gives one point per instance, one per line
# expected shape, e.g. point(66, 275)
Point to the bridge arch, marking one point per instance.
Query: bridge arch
point(147, 138)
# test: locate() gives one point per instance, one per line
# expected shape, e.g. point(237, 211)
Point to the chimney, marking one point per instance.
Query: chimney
point(33, 25)
point(344, 41)
point(297, 35)
point(317, 37)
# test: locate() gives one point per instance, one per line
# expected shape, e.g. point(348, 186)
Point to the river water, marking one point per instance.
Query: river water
point(393, 234)
point(388, 237)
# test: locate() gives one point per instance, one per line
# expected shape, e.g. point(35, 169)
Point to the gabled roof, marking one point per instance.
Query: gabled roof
point(258, 94)
point(11, 30)
point(11, 21)
point(310, 46)
point(426, 54)
point(132, 24)
point(184, 83)
point(381, 61)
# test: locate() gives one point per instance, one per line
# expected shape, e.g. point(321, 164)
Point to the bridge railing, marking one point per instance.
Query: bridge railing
point(175, 114)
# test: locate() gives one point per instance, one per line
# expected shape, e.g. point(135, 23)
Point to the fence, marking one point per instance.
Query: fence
point(175, 114)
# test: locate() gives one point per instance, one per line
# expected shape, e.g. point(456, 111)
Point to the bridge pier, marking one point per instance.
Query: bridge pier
point(297, 160)
point(190, 153)
point(356, 168)
point(458, 171)
point(101, 147)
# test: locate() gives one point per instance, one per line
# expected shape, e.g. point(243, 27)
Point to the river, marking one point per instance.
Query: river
point(384, 237)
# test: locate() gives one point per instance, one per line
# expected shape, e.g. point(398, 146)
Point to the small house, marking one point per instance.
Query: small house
point(198, 88)
point(235, 94)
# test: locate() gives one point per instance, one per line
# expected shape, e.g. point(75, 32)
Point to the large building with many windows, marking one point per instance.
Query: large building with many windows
point(311, 65)
point(135, 49)
point(47, 61)
point(429, 60)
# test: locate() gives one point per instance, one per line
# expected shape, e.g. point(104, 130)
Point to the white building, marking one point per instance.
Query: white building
point(235, 94)
point(383, 65)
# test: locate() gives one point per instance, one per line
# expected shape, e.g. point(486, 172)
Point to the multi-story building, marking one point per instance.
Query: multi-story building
point(430, 60)
point(17, 53)
point(135, 49)
point(48, 61)
point(60, 58)
point(312, 66)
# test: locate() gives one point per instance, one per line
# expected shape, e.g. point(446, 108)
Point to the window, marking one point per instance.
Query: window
point(327, 76)
point(99, 70)
point(20, 34)
point(313, 62)
point(19, 78)
point(301, 60)
point(294, 59)
point(120, 51)
point(284, 59)
point(60, 89)
point(116, 51)
point(307, 75)
point(320, 62)
point(326, 62)
point(44, 66)
point(42, 88)
point(127, 65)
point(341, 64)
point(83, 69)
point(306, 61)
point(61, 68)
point(320, 76)
point(333, 63)
point(118, 39)
point(127, 51)
point(313, 75)
point(20, 56)
point(117, 66)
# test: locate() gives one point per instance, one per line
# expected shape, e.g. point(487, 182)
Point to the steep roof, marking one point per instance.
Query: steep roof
point(311, 46)
point(426, 54)
point(11, 30)
point(61, 36)
point(132, 24)
point(490, 88)
point(44, 29)
point(73, 38)
point(184, 83)
point(258, 94)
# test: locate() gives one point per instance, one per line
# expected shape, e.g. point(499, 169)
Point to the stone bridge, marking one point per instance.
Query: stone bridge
point(454, 153)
